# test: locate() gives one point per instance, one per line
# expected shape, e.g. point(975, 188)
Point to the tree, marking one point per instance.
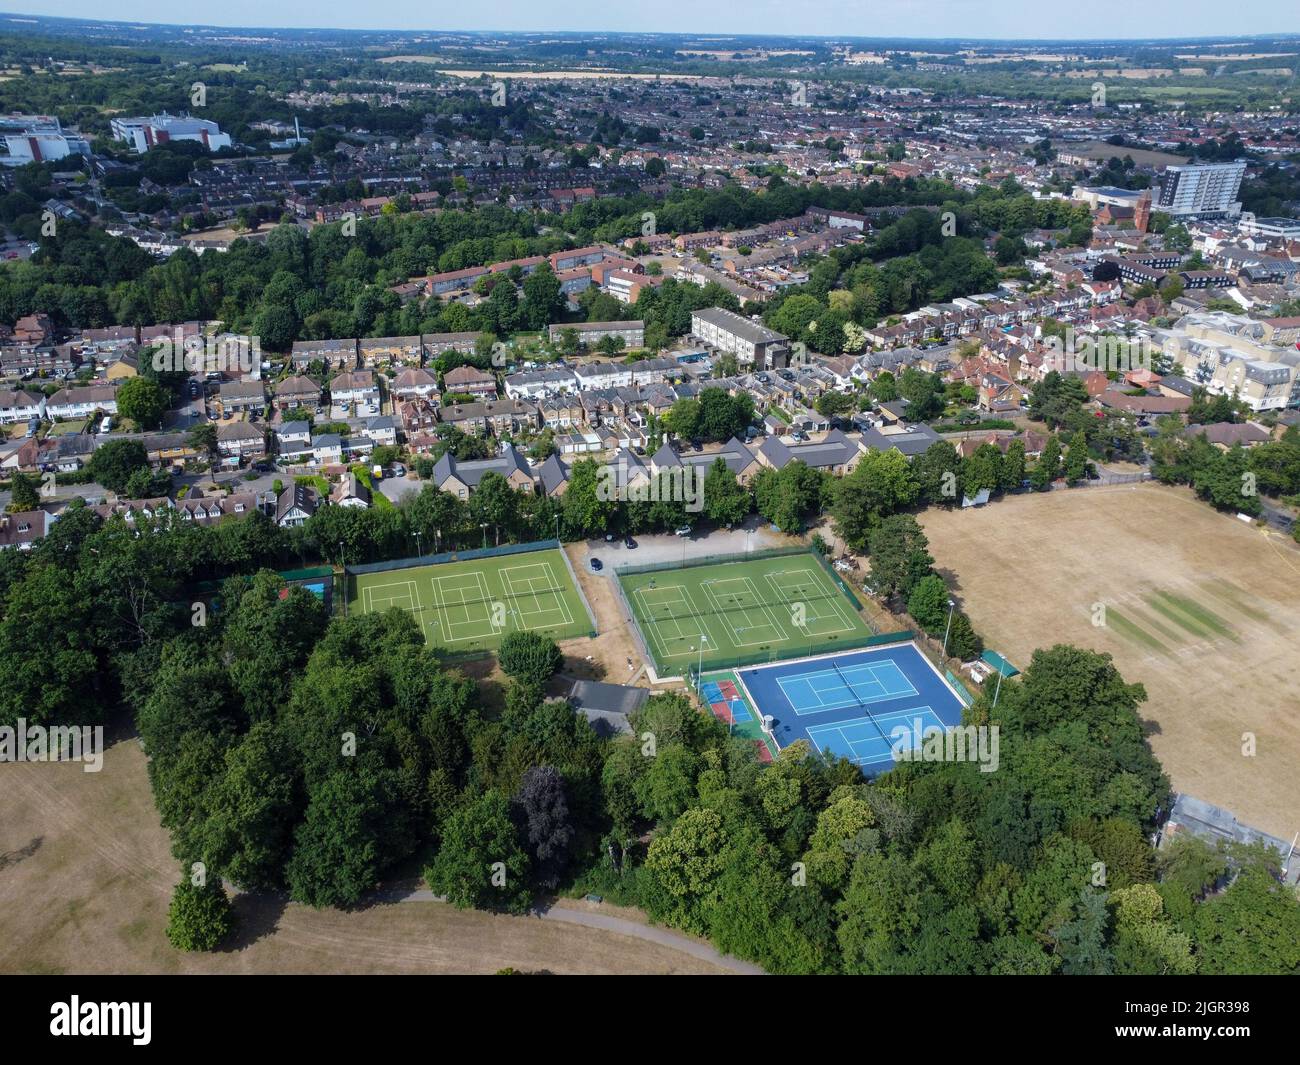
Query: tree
point(923, 392)
point(142, 401)
point(588, 503)
point(881, 484)
point(899, 558)
point(113, 463)
point(48, 662)
point(1081, 941)
point(543, 302)
point(963, 641)
point(885, 387)
point(203, 439)
point(726, 500)
point(686, 861)
point(479, 862)
point(1076, 459)
point(542, 812)
point(339, 847)
point(682, 419)
point(25, 493)
point(199, 918)
point(928, 603)
point(1048, 467)
point(1253, 927)
point(834, 404)
point(529, 657)
point(938, 472)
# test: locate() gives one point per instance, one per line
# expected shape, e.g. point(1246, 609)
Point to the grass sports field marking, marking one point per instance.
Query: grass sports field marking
point(537, 598)
point(399, 595)
point(738, 608)
point(467, 607)
point(465, 604)
point(800, 586)
point(734, 599)
point(670, 605)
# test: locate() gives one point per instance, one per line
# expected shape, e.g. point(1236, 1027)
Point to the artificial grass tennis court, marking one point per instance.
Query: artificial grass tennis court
point(743, 610)
point(469, 606)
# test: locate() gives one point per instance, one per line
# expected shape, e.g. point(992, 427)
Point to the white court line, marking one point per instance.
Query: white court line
point(653, 623)
point(809, 577)
point(721, 611)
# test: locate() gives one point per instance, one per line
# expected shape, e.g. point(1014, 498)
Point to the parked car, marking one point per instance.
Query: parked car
point(682, 530)
point(629, 543)
point(596, 565)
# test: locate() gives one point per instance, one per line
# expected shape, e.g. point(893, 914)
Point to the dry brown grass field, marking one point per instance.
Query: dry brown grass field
point(86, 875)
point(1203, 609)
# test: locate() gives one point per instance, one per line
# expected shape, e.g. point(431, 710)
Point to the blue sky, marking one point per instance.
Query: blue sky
point(864, 18)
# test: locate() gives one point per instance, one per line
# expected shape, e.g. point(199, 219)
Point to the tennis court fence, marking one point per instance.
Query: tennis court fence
point(629, 568)
point(829, 645)
point(451, 556)
point(709, 560)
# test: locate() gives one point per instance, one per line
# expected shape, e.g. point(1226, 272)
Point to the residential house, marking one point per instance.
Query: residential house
point(240, 397)
point(351, 491)
point(332, 354)
point(471, 381)
point(354, 394)
point(297, 393)
point(18, 406)
point(376, 352)
point(462, 478)
point(834, 452)
point(21, 530)
point(294, 505)
point(238, 440)
point(81, 402)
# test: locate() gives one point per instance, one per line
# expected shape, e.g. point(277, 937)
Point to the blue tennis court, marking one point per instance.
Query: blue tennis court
point(860, 705)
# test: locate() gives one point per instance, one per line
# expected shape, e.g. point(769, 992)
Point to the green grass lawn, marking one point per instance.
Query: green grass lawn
point(771, 608)
point(467, 607)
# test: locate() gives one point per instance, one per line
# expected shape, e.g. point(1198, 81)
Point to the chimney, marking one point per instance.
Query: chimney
point(1142, 211)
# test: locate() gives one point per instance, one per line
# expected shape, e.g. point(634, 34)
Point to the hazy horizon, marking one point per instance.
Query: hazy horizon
point(911, 19)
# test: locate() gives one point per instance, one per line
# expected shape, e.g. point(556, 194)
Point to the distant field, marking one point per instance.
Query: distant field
point(1201, 609)
point(782, 607)
point(470, 606)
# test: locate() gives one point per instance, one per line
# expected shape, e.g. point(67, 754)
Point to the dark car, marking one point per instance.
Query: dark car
point(629, 543)
point(595, 565)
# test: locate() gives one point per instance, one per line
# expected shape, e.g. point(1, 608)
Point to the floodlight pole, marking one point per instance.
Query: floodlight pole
point(419, 546)
point(948, 628)
point(998, 690)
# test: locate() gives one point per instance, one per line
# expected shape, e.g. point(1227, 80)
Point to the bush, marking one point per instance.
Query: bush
point(529, 657)
point(199, 917)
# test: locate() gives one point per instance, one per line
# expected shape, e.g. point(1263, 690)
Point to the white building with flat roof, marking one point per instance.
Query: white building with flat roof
point(143, 133)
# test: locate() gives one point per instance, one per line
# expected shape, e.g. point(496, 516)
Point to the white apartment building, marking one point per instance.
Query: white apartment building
point(1202, 189)
point(753, 343)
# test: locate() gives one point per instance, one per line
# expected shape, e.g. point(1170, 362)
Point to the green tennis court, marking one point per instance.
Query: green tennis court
point(753, 610)
point(469, 606)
